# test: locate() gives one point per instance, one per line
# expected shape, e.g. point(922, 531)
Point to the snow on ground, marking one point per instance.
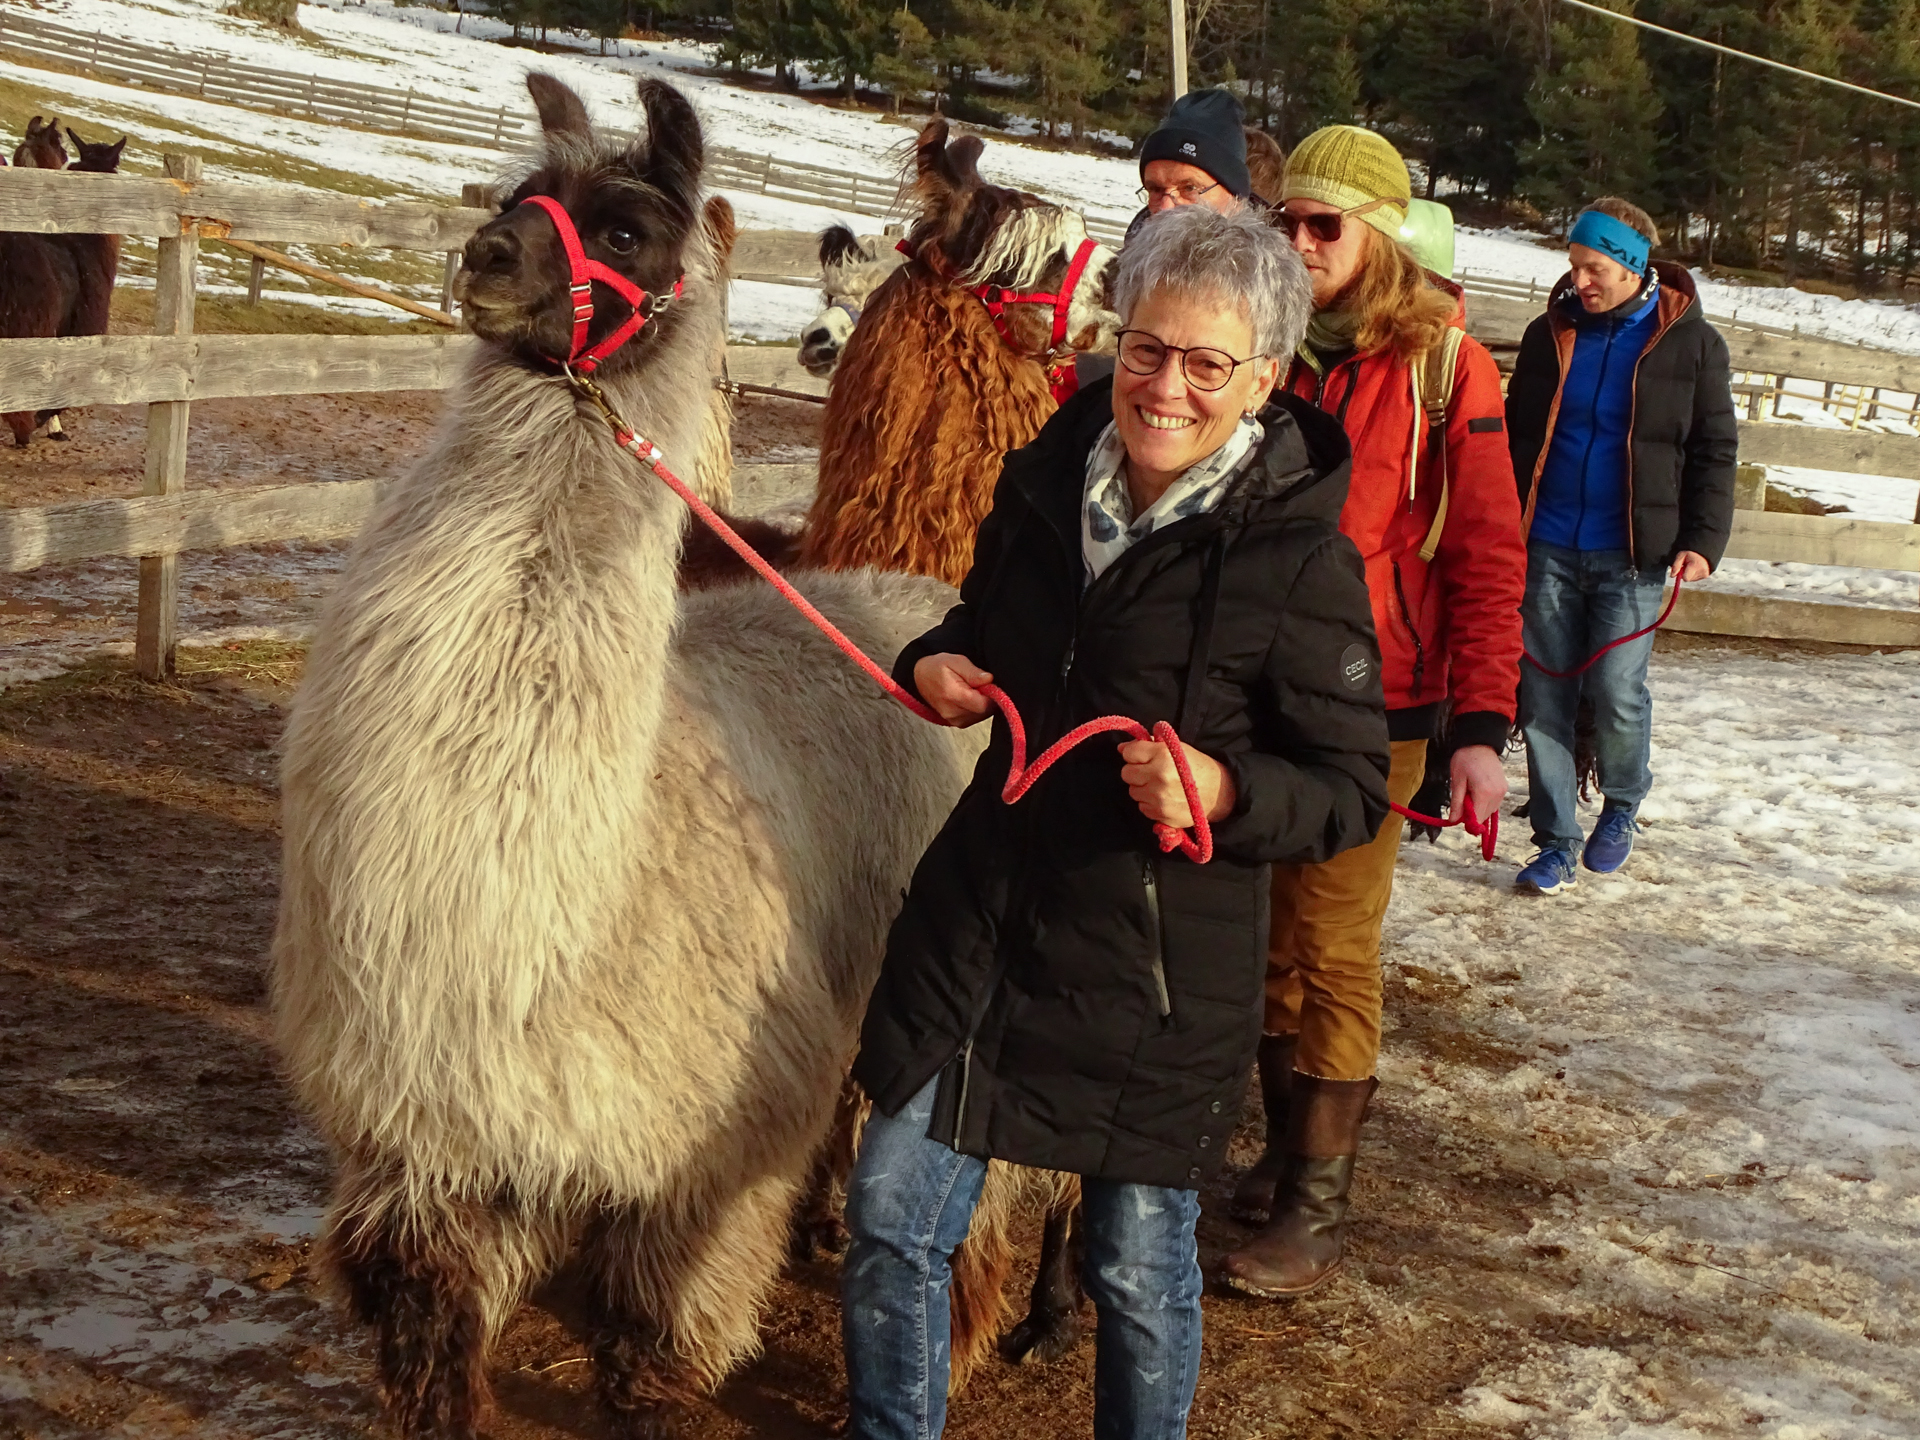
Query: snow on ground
point(1718, 1052)
point(1867, 497)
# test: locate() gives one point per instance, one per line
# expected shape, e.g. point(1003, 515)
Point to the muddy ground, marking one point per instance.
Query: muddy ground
point(159, 1192)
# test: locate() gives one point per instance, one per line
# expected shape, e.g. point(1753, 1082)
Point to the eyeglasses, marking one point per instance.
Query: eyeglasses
point(1325, 227)
point(1204, 367)
point(1186, 194)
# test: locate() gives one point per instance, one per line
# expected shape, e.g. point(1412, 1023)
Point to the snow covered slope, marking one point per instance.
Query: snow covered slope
point(379, 43)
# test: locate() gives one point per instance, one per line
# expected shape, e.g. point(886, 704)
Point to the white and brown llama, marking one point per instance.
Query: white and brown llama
point(585, 882)
point(852, 267)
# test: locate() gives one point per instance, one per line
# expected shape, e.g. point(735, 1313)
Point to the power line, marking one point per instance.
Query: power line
point(1741, 54)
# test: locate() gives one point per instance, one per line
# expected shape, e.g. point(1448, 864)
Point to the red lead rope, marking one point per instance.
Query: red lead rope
point(1197, 846)
point(1489, 833)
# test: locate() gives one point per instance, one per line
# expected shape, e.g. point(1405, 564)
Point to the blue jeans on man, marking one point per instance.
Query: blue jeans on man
point(909, 1206)
point(1576, 602)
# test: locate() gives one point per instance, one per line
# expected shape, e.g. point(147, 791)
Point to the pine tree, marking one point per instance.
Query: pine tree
point(906, 67)
point(1596, 109)
point(1056, 49)
point(1453, 90)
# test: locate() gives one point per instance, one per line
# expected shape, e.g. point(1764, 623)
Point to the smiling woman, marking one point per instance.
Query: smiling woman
point(1057, 992)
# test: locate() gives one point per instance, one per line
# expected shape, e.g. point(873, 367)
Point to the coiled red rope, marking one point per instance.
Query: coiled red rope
point(1197, 846)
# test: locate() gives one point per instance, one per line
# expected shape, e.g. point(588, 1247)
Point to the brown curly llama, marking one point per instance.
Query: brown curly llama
point(928, 395)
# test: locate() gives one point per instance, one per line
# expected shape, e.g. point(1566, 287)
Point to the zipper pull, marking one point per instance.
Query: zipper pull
point(1066, 665)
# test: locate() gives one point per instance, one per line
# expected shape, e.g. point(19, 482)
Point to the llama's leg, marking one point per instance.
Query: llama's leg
point(980, 1269)
point(818, 1226)
point(21, 423)
point(51, 419)
point(1052, 1326)
point(434, 1281)
point(680, 1289)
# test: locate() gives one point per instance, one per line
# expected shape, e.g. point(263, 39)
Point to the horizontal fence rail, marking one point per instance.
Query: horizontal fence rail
point(172, 368)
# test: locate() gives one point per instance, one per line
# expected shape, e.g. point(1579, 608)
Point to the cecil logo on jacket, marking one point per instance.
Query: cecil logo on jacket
point(1355, 666)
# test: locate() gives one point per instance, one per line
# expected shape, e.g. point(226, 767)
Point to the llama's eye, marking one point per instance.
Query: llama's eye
point(622, 242)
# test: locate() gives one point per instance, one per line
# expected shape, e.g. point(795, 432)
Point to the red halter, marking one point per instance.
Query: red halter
point(1060, 374)
point(584, 272)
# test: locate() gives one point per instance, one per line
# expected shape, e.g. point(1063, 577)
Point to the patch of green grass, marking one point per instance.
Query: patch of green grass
point(231, 315)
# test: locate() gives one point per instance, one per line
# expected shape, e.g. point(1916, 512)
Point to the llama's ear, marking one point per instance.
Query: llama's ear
point(78, 143)
point(561, 111)
point(35, 126)
point(674, 152)
point(837, 242)
point(929, 151)
point(722, 227)
point(963, 161)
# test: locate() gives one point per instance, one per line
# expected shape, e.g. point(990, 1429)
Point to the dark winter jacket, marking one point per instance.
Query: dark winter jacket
point(1683, 438)
point(1094, 1003)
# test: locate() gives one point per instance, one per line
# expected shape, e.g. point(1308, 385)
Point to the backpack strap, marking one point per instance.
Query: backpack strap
point(1435, 388)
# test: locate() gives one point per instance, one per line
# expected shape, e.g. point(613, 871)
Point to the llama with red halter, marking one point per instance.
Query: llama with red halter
point(56, 285)
point(955, 361)
point(578, 918)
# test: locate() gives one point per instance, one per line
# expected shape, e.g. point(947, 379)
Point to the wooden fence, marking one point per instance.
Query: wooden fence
point(214, 76)
point(172, 367)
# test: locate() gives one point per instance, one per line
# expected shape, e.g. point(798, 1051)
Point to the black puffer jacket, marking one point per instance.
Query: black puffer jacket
point(1681, 453)
point(1099, 1001)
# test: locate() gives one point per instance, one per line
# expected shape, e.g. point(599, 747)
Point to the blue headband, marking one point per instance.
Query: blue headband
point(1615, 239)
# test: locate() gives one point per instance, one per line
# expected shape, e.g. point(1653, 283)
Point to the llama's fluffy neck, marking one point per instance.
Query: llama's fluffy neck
point(485, 694)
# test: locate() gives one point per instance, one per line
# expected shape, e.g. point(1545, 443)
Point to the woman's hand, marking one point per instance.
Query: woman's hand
point(1154, 783)
point(951, 685)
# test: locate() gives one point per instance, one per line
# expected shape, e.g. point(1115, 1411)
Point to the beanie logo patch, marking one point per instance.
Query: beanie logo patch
point(1189, 148)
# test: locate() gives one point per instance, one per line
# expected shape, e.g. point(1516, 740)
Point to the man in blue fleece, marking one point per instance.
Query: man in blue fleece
point(1621, 423)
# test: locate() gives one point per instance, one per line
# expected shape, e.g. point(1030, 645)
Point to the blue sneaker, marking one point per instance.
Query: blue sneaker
point(1550, 871)
point(1611, 842)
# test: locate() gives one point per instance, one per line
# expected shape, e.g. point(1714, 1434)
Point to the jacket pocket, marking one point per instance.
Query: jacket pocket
point(1156, 939)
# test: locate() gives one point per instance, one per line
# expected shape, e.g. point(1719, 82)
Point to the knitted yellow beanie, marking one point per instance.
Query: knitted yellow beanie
point(1345, 166)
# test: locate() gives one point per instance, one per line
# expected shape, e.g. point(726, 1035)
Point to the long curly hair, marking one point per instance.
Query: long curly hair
point(1399, 306)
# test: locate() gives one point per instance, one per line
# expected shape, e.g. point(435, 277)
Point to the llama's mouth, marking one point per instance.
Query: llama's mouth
point(1155, 421)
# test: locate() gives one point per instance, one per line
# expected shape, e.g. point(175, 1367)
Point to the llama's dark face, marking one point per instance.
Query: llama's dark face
point(41, 150)
point(972, 233)
point(634, 206)
point(97, 159)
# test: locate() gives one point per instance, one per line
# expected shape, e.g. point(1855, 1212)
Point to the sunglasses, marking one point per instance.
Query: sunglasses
point(1204, 367)
point(1326, 227)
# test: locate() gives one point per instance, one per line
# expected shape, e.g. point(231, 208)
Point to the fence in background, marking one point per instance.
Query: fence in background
point(172, 367)
point(213, 76)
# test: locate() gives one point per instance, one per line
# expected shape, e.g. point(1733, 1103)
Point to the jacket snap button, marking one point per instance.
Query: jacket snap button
point(1203, 1141)
point(1215, 1107)
point(1194, 1174)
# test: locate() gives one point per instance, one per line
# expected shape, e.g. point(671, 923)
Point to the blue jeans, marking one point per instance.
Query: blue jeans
point(1578, 600)
point(908, 1208)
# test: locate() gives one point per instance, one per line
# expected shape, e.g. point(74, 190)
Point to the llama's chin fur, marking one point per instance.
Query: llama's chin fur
point(584, 883)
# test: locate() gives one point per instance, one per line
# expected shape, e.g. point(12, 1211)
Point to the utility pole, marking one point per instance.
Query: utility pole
point(1177, 18)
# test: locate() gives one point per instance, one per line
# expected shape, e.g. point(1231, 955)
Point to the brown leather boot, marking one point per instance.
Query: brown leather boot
point(1253, 1199)
point(1302, 1245)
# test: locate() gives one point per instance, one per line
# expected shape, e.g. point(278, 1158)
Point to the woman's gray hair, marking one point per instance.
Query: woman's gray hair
point(1191, 251)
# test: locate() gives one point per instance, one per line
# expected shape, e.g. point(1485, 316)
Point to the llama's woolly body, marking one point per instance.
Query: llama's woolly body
point(583, 893)
point(911, 451)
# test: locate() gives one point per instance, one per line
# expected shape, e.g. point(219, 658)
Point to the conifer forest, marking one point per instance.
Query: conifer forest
point(1525, 106)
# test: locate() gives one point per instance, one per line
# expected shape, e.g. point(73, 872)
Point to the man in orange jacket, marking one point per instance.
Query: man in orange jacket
point(1436, 517)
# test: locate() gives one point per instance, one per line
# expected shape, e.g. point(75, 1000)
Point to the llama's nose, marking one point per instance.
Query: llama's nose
point(493, 252)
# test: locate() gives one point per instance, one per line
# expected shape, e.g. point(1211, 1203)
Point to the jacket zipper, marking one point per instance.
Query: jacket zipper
point(1155, 939)
point(1413, 631)
point(1633, 414)
point(960, 1106)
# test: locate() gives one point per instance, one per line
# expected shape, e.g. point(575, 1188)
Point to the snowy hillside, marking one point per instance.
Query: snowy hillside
point(379, 43)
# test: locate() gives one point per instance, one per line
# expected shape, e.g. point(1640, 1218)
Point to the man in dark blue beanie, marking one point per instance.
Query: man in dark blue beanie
point(1197, 155)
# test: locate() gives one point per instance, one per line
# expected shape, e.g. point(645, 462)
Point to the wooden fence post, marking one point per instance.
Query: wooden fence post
point(475, 197)
point(173, 277)
point(256, 277)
